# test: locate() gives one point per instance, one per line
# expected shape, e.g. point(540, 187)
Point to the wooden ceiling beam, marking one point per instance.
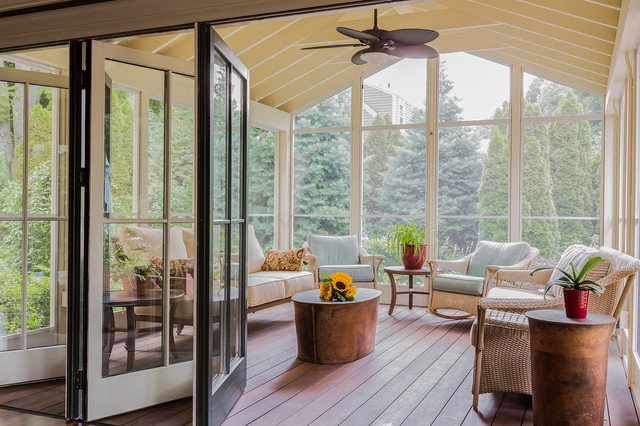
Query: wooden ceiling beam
point(148, 43)
point(552, 43)
point(549, 73)
point(254, 34)
point(581, 9)
point(532, 58)
point(270, 77)
point(304, 83)
point(535, 27)
point(541, 51)
point(560, 20)
point(184, 48)
point(440, 20)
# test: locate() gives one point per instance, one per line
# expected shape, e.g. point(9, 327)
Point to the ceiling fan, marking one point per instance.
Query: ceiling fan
point(404, 43)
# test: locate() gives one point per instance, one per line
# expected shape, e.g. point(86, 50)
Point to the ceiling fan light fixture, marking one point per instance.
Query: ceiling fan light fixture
point(375, 57)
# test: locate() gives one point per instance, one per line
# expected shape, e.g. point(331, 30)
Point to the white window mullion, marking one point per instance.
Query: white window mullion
point(25, 211)
point(356, 157)
point(515, 156)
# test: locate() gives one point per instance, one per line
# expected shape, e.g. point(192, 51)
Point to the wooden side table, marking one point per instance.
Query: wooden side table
point(569, 367)
point(400, 270)
point(331, 332)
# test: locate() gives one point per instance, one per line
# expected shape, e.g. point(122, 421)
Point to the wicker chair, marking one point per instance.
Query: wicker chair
point(476, 273)
point(500, 333)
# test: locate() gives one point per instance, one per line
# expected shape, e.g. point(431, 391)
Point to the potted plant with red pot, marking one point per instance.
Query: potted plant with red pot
point(407, 241)
point(576, 287)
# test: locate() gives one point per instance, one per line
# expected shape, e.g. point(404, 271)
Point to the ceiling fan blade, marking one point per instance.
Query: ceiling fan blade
point(410, 36)
point(416, 52)
point(356, 58)
point(357, 34)
point(331, 46)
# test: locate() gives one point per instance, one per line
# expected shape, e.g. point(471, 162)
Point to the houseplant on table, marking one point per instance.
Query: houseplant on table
point(134, 275)
point(576, 287)
point(406, 241)
point(337, 287)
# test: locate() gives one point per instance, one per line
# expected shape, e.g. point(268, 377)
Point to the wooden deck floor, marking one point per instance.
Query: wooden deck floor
point(419, 373)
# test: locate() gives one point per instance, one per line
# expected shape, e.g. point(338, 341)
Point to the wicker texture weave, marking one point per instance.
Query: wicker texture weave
point(501, 332)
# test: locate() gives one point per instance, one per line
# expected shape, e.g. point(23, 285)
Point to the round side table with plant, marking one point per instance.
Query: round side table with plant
point(575, 287)
point(406, 240)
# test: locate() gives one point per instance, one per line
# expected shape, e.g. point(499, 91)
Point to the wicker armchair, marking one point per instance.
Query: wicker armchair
point(329, 254)
point(476, 273)
point(500, 333)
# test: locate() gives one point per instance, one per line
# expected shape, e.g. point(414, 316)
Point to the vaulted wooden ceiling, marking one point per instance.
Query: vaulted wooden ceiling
point(569, 40)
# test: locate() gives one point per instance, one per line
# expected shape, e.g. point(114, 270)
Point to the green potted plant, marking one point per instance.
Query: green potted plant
point(406, 241)
point(575, 287)
point(134, 274)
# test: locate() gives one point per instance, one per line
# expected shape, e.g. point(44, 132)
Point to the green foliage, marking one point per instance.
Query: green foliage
point(38, 296)
point(405, 233)
point(260, 184)
point(576, 280)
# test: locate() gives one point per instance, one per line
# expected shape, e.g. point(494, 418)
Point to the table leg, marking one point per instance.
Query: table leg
point(107, 338)
point(410, 292)
point(172, 340)
point(131, 337)
point(393, 292)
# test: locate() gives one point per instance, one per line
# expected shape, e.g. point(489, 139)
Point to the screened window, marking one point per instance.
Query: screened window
point(261, 185)
point(561, 138)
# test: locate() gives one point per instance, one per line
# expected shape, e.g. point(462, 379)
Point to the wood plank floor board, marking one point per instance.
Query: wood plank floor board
point(437, 397)
point(617, 391)
point(457, 407)
point(400, 360)
point(511, 410)
point(528, 414)
point(333, 387)
point(415, 381)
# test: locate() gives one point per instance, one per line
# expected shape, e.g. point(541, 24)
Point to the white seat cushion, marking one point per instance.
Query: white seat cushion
point(294, 282)
point(264, 290)
point(516, 293)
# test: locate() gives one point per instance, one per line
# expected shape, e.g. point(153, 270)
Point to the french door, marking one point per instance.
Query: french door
point(221, 349)
point(141, 108)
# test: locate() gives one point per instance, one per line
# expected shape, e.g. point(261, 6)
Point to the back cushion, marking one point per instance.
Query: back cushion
point(150, 241)
point(578, 255)
point(255, 257)
point(501, 254)
point(189, 241)
point(335, 250)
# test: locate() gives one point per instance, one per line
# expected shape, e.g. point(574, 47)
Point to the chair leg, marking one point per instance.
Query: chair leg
point(477, 370)
point(454, 317)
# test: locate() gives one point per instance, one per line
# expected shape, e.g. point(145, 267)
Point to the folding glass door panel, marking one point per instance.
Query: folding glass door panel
point(140, 219)
point(33, 223)
point(221, 145)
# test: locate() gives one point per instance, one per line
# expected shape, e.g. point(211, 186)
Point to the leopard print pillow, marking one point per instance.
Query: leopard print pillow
point(283, 260)
point(177, 272)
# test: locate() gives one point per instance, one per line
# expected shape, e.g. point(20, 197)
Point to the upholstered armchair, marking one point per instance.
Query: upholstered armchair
point(500, 333)
point(459, 284)
point(329, 254)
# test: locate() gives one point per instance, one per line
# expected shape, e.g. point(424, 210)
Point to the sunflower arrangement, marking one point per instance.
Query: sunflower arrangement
point(337, 287)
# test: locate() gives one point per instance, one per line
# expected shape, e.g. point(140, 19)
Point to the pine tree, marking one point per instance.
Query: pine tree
point(379, 147)
point(494, 187)
point(571, 167)
point(537, 197)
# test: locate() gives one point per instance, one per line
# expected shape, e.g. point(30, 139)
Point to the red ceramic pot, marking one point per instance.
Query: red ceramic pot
point(576, 303)
point(412, 259)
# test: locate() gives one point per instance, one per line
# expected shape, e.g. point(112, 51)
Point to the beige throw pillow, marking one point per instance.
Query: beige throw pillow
point(284, 260)
point(255, 257)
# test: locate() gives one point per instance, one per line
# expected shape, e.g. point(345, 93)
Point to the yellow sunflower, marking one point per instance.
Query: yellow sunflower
point(340, 281)
point(351, 291)
point(325, 291)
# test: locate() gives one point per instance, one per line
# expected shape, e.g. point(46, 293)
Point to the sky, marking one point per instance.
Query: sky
point(481, 85)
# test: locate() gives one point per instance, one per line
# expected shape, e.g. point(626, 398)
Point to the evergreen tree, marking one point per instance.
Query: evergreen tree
point(494, 187)
point(261, 180)
point(459, 173)
point(379, 148)
point(322, 170)
point(571, 167)
point(537, 197)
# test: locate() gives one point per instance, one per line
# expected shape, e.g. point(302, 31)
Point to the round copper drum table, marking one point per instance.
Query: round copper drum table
point(331, 332)
point(569, 367)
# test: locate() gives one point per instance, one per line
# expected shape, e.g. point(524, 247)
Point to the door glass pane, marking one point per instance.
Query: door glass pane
point(11, 285)
point(181, 311)
point(134, 141)
point(11, 131)
point(236, 144)
point(236, 280)
point(133, 305)
point(218, 272)
point(182, 146)
point(46, 319)
point(219, 149)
